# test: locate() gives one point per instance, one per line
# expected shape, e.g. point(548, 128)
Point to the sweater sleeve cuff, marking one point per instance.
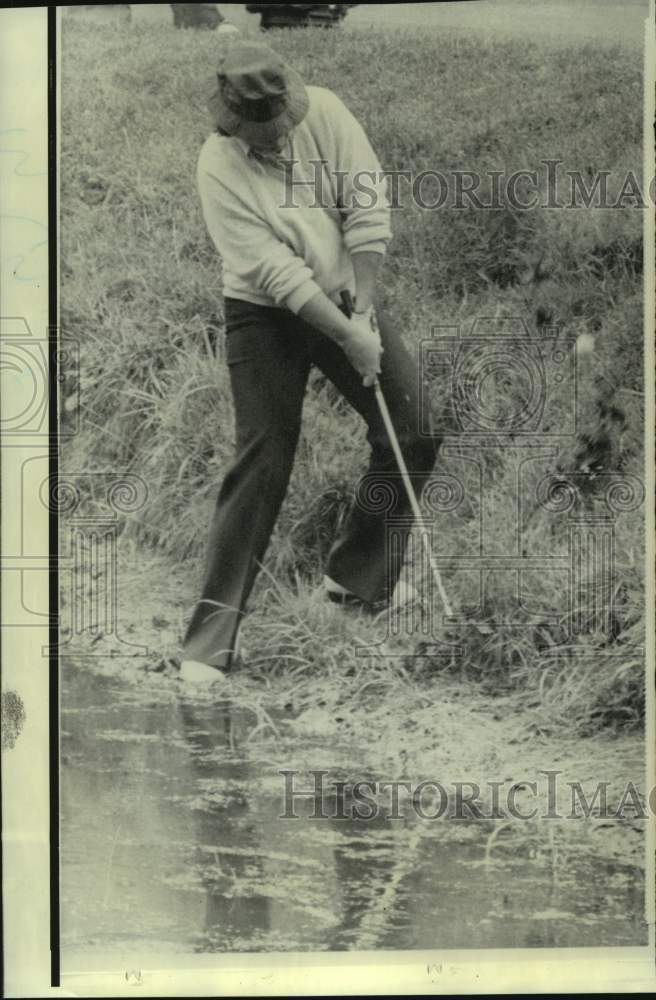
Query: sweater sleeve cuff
point(373, 238)
point(376, 246)
point(297, 299)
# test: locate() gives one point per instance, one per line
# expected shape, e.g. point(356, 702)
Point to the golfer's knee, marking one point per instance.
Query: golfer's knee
point(264, 457)
point(277, 456)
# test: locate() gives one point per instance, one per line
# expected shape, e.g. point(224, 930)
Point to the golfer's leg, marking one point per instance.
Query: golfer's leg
point(268, 373)
point(359, 560)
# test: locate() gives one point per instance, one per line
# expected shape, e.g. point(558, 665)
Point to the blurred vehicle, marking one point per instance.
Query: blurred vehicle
point(299, 15)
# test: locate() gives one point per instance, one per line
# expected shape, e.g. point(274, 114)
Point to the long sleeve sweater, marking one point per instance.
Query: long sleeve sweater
point(281, 244)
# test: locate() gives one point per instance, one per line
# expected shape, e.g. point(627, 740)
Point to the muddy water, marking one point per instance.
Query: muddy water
point(172, 841)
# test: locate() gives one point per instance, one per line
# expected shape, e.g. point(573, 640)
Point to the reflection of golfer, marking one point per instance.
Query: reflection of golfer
point(283, 271)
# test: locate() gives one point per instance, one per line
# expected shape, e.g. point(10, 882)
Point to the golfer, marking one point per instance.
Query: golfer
point(287, 257)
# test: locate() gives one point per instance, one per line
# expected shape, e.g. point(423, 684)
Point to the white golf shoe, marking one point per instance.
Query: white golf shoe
point(404, 594)
point(193, 672)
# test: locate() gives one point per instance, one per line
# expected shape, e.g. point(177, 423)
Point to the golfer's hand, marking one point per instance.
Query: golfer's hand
point(364, 348)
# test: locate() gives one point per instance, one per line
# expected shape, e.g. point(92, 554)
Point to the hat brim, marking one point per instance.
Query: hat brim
point(229, 121)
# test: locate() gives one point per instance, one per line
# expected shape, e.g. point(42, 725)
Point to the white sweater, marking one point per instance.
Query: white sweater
point(277, 248)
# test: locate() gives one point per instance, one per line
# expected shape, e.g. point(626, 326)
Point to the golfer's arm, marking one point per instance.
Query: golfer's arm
point(366, 265)
point(323, 314)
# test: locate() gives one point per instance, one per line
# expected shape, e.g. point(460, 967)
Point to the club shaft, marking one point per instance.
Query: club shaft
point(412, 497)
point(348, 306)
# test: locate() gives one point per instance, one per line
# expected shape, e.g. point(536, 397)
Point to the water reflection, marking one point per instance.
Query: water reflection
point(172, 840)
point(229, 850)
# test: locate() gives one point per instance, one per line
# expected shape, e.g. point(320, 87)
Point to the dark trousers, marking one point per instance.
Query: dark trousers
point(270, 352)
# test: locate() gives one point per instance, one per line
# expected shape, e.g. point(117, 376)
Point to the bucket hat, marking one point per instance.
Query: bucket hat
point(259, 98)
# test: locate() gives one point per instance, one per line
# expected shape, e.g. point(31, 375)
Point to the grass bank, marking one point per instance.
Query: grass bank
point(141, 293)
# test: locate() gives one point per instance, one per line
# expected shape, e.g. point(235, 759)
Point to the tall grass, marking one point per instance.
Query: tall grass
point(141, 292)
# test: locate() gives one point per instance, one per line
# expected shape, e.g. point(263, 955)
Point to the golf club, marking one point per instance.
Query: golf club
point(348, 307)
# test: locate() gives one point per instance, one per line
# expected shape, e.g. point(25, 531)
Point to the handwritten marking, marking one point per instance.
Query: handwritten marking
point(22, 153)
point(19, 260)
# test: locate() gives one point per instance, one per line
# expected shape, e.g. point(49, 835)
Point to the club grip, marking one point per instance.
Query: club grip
point(348, 305)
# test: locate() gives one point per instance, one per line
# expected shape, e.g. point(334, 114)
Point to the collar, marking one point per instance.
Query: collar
point(243, 145)
point(253, 156)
